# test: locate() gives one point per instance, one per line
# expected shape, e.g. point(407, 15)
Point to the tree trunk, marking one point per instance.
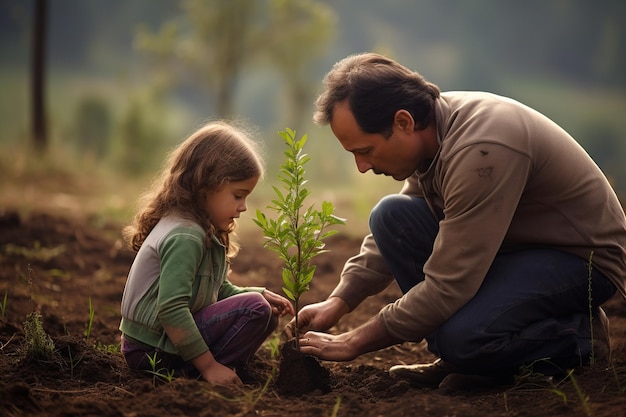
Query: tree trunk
point(39, 131)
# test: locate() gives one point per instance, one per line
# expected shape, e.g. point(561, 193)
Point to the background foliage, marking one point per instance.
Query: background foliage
point(129, 79)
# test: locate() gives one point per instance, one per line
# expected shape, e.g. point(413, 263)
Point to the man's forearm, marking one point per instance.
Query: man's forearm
point(371, 336)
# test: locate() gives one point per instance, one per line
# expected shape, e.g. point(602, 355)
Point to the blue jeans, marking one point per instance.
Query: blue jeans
point(532, 305)
point(233, 328)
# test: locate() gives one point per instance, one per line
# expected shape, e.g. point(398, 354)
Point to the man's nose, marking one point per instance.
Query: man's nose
point(362, 165)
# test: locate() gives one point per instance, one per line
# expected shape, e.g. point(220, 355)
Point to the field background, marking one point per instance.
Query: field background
point(126, 81)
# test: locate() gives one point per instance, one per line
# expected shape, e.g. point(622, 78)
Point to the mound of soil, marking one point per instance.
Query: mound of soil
point(300, 374)
point(73, 271)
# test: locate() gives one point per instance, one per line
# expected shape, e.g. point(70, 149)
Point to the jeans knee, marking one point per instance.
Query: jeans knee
point(383, 211)
point(251, 304)
point(454, 345)
point(261, 312)
point(272, 324)
point(259, 304)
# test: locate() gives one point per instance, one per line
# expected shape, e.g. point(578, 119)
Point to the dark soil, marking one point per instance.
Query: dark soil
point(300, 374)
point(57, 266)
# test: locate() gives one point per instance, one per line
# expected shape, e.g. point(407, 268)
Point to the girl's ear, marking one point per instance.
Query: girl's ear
point(403, 121)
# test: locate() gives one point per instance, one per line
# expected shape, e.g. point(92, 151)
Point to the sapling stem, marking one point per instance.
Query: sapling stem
point(296, 234)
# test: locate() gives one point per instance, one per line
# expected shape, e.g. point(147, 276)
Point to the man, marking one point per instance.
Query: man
point(505, 239)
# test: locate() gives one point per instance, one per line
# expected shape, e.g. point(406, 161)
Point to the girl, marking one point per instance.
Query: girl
point(178, 307)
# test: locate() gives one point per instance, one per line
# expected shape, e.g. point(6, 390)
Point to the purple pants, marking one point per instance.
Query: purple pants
point(233, 328)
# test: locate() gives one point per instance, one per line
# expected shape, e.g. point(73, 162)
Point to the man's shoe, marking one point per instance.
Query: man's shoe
point(425, 375)
point(600, 338)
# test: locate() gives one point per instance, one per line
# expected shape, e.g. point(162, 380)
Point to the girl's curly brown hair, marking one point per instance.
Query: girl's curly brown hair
point(216, 154)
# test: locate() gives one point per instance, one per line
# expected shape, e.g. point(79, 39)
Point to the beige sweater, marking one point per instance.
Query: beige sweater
point(505, 178)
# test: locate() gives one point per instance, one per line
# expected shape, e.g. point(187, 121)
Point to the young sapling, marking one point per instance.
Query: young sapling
point(297, 233)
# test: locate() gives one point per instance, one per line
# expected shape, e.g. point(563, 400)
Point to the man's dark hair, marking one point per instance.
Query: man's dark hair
point(375, 88)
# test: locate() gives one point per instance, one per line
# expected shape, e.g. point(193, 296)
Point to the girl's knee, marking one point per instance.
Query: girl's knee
point(258, 303)
point(272, 324)
point(251, 304)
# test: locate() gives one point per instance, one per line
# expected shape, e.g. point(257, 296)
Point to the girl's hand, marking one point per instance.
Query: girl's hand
point(280, 305)
point(214, 372)
point(219, 374)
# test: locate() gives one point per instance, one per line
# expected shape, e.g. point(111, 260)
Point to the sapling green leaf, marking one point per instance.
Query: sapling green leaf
point(296, 234)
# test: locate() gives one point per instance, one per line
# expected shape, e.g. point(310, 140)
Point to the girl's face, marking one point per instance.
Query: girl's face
point(225, 204)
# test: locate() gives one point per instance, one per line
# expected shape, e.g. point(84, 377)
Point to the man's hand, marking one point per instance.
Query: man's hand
point(369, 337)
point(319, 316)
point(328, 347)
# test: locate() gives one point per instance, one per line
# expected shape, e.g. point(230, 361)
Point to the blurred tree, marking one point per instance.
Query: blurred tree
point(141, 139)
point(211, 42)
point(39, 131)
point(214, 41)
point(93, 125)
point(299, 32)
point(219, 45)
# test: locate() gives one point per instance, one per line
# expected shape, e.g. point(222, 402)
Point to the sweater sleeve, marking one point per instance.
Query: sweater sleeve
point(366, 273)
point(482, 187)
point(229, 289)
point(181, 255)
point(363, 275)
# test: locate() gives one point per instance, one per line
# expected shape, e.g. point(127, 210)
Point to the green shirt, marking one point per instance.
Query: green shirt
point(173, 276)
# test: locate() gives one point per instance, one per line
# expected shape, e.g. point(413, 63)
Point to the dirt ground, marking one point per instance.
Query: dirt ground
point(57, 266)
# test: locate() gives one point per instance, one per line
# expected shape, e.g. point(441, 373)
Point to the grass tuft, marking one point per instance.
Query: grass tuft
point(38, 344)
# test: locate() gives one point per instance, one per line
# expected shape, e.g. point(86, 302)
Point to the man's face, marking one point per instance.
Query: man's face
point(397, 156)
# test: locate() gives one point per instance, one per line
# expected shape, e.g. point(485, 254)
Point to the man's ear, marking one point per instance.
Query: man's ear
point(404, 121)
